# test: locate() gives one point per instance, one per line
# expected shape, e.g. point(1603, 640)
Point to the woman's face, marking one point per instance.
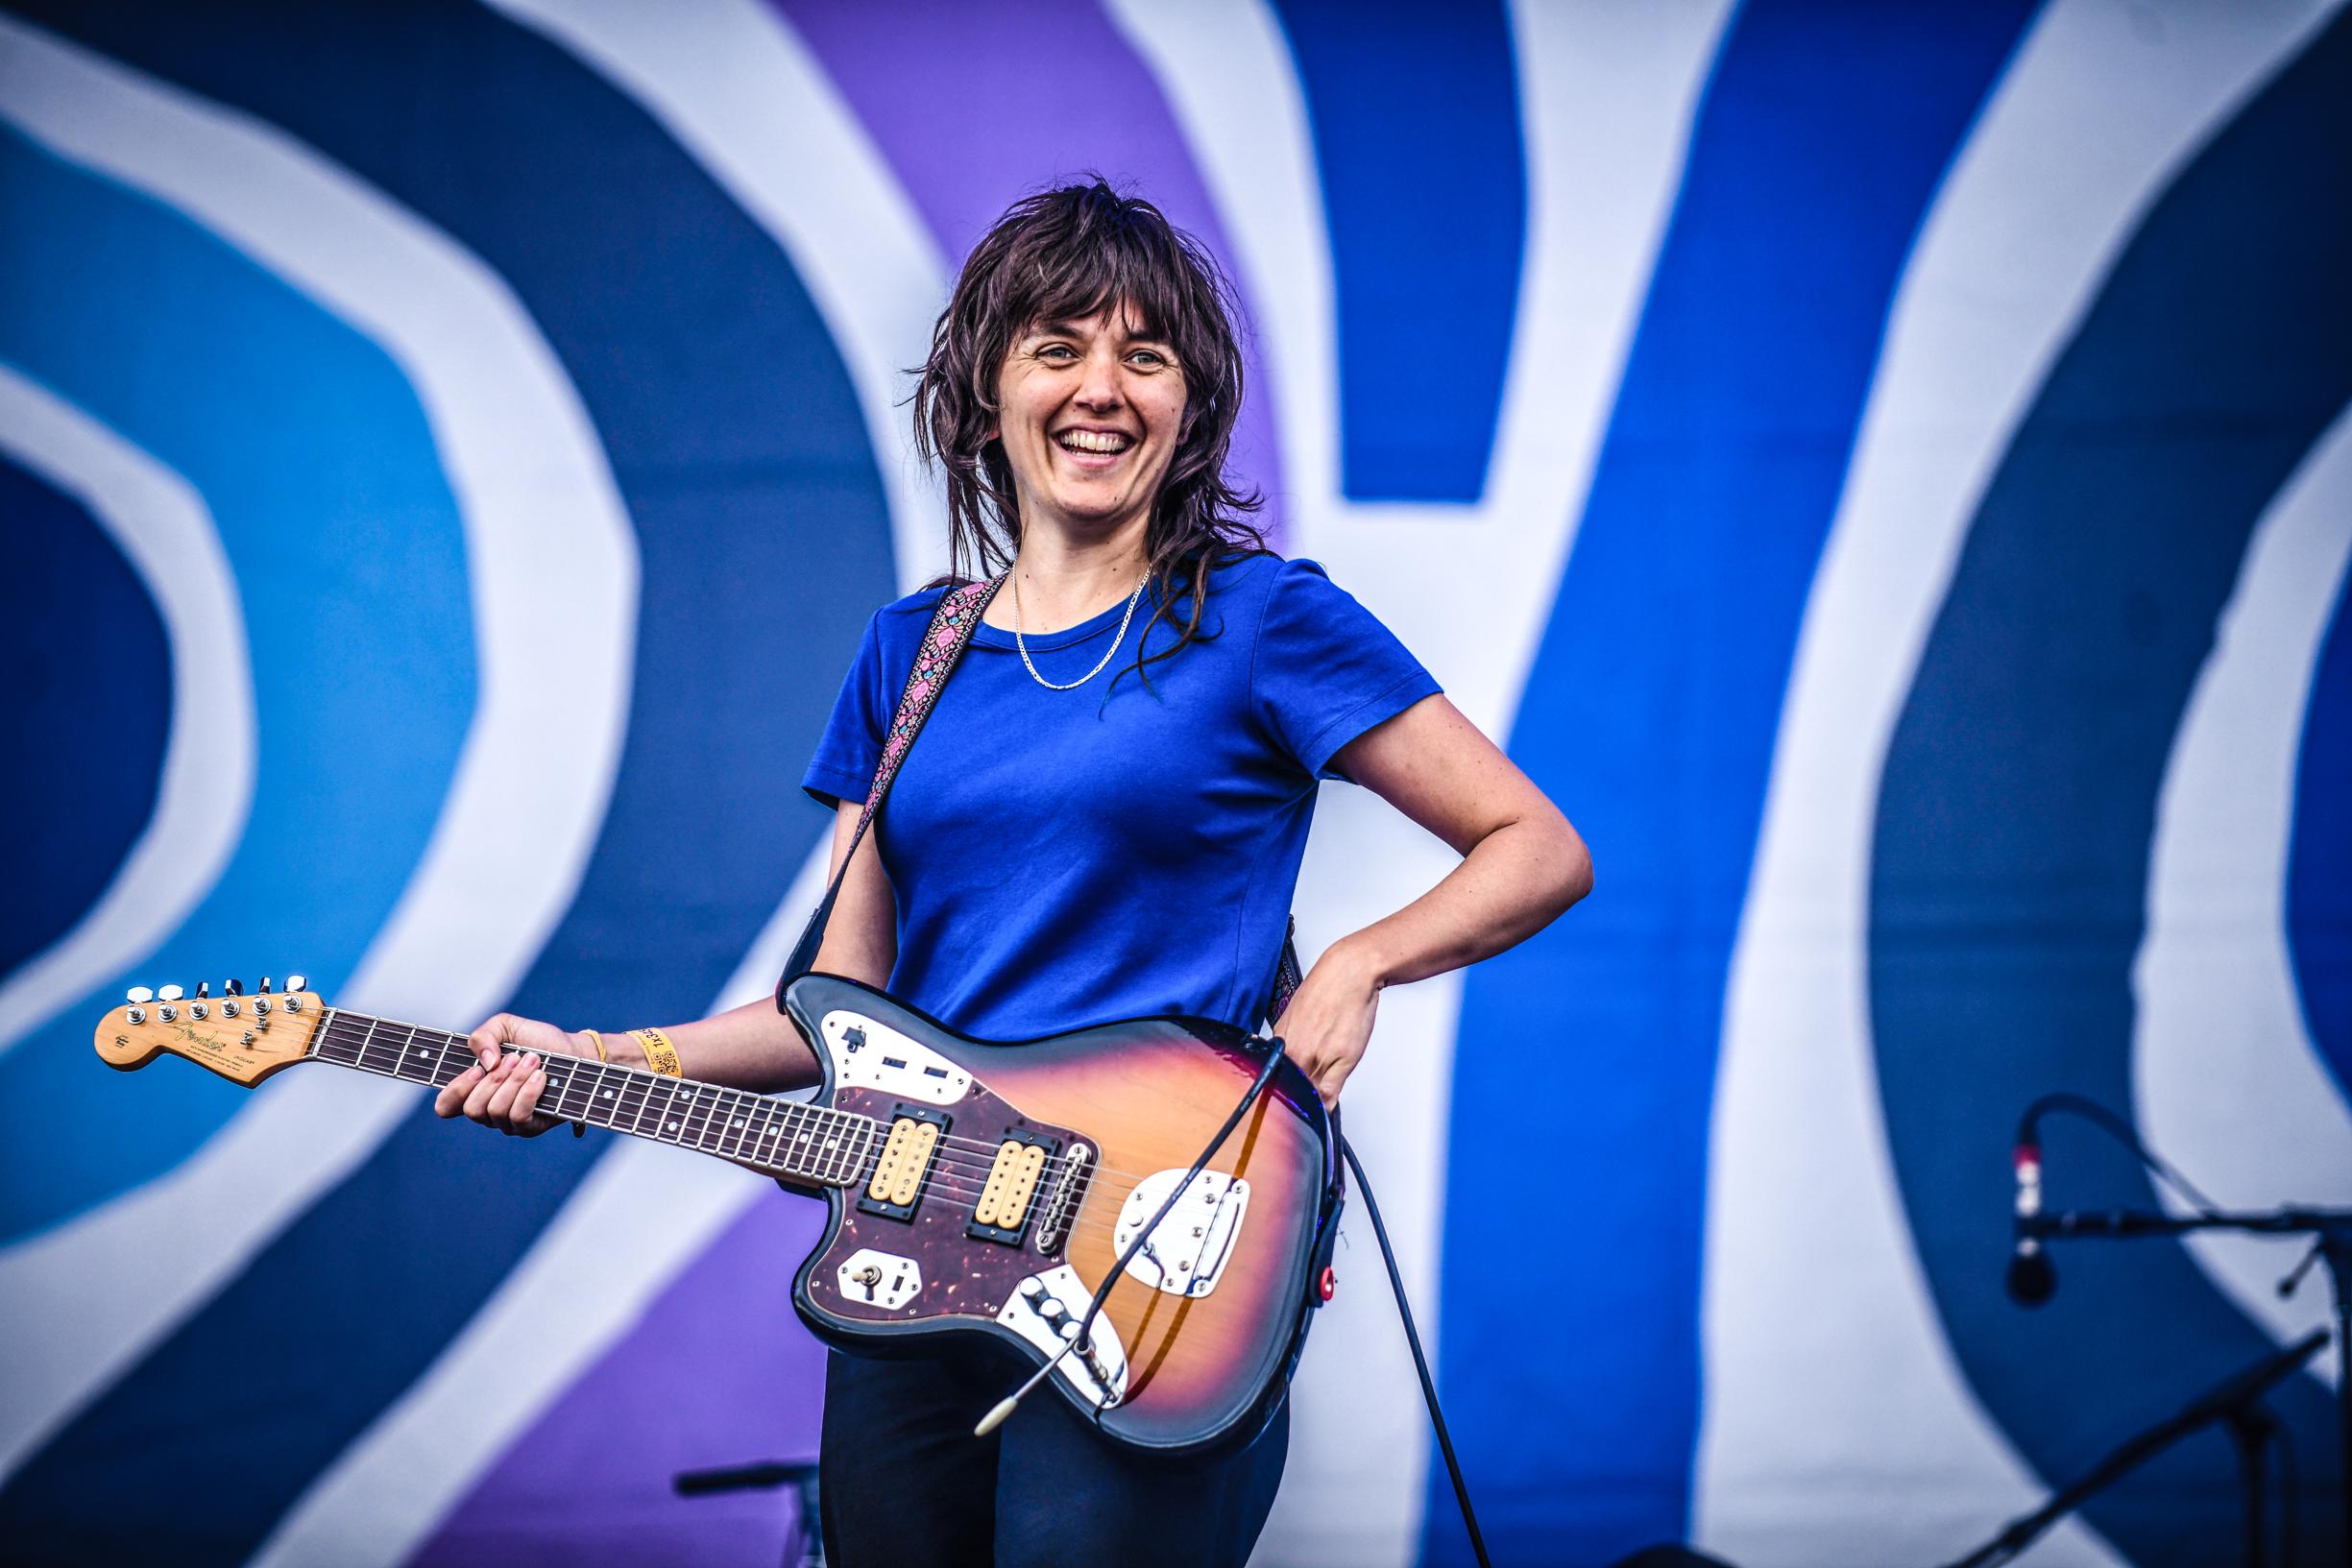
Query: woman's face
point(1090, 412)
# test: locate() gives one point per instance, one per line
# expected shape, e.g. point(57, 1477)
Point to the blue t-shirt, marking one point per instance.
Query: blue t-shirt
point(1069, 857)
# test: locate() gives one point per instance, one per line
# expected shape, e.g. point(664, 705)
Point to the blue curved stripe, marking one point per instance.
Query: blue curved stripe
point(85, 667)
point(2010, 870)
point(2319, 857)
point(1414, 109)
point(736, 440)
point(1649, 714)
point(349, 561)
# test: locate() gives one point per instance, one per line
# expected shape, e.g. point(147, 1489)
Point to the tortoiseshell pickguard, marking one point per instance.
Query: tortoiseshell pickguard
point(962, 1276)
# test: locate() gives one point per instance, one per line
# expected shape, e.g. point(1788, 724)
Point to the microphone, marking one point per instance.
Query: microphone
point(2032, 1279)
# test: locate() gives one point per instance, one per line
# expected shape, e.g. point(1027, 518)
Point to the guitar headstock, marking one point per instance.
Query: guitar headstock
point(244, 1039)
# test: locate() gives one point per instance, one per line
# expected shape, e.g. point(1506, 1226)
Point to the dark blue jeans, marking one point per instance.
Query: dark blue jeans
point(904, 1484)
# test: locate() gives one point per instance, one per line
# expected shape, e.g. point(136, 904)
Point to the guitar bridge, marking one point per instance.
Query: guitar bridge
point(1069, 1190)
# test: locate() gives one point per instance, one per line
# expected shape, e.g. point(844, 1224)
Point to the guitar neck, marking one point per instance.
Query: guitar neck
point(808, 1146)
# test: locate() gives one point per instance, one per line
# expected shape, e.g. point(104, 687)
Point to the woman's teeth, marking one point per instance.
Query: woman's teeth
point(1094, 441)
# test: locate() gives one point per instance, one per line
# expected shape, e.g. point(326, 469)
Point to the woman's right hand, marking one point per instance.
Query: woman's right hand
point(501, 1090)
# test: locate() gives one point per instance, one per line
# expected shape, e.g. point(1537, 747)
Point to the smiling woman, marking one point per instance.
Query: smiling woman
point(1051, 859)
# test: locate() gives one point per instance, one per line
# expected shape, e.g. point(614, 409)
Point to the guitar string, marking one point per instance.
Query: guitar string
point(966, 1180)
point(976, 1154)
point(958, 1186)
point(946, 1181)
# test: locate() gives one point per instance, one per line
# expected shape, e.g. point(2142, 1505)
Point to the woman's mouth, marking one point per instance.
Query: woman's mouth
point(1093, 442)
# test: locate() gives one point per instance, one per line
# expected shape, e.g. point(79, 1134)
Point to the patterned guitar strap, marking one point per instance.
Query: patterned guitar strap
point(944, 641)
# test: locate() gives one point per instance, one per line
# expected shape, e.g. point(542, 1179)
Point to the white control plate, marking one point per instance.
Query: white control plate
point(1187, 1252)
point(885, 1279)
point(1045, 1310)
point(870, 1056)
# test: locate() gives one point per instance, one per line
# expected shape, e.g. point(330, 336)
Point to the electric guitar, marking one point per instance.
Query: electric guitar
point(974, 1189)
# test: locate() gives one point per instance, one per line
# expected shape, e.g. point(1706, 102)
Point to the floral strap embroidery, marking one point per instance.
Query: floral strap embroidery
point(944, 641)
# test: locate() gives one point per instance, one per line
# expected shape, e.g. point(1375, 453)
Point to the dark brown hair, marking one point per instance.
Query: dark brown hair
point(1065, 255)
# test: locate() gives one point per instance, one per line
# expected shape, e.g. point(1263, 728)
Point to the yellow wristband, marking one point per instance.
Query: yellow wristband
point(597, 1041)
point(660, 1054)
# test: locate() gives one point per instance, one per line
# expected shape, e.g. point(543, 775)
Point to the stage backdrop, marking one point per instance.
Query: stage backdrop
point(1882, 468)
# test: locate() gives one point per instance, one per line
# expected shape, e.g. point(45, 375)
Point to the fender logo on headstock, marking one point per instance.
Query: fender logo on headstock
point(213, 1045)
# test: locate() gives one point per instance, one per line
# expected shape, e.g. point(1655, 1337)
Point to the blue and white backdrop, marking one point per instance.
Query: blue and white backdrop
point(1882, 468)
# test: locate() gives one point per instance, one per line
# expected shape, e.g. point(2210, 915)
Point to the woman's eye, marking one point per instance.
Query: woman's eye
point(1056, 351)
point(1148, 359)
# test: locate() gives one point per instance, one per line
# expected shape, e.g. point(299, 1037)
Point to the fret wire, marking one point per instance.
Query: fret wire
point(360, 1055)
point(707, 1102)
point(734, 1119)
point(811, 1142)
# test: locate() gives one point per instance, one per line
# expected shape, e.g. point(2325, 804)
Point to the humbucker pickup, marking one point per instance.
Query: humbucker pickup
point(1002, 1210)
point(904, 1163)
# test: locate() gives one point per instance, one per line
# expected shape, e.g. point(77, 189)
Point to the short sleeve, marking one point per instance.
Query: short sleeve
point(850, 749)
point(1325, 668)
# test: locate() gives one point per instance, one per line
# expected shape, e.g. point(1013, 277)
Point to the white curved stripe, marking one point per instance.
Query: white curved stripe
point(642, 1216)
point(1608, 97)
point(732, 82)
point(1225, 70)
point(207, 789)
point(553, 573)
point(644, 1213)
point(2227, 1082)
point(1813, 1298)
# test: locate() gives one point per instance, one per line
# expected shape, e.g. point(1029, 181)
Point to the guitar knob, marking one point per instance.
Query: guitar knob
point(168, 993)
point(139, 994)
point(295, 982)
point(265, 985)
point(235, 988)
point(203, 989)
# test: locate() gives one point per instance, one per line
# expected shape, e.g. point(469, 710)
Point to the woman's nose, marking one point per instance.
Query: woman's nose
point(1099, 388)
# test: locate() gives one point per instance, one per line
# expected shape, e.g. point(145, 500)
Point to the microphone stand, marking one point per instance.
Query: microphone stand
point(2234, 1401)
point(2330, 1233)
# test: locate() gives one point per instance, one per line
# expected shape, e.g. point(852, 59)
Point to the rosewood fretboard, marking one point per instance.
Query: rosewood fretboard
point(809, 1145)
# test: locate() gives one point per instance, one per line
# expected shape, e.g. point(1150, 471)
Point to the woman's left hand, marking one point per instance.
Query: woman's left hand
point(1329, 1020)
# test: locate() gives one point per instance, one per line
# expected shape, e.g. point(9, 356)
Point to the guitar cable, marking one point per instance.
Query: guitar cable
point(1387, 1255)
point(1420, 1362)
point(1004, 1407)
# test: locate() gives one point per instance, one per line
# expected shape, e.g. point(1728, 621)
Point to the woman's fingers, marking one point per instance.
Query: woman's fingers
point(477, 1099)
point(513, 1073)
point(451, 1100)
point(488, 1042)
point(523, 1113)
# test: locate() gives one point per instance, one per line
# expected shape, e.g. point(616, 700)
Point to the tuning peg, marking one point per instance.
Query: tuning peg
point(295, 982)
point(265, 985)
point(140, 995)
point(203, 989)
point(168, 993)
point(233, 988)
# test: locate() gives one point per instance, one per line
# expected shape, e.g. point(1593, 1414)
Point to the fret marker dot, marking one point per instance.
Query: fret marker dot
point(673, 1128)
point(737, 1122)
point(608, 1093)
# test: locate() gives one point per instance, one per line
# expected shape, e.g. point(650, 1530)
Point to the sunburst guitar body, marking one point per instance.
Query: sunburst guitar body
point(976, 1191)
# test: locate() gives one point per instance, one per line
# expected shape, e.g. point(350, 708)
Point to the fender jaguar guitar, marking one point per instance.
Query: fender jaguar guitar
point(974, 1189)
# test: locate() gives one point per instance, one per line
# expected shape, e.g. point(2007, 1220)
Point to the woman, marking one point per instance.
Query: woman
point(1104, 819)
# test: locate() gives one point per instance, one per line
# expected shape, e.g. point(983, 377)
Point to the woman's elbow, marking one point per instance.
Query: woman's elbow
point(1572, 863)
